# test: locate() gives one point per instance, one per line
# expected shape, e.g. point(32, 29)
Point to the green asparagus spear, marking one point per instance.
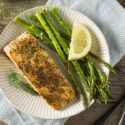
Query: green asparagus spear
point(60, 20)
point(61, 41)
point(103, 62)
point(16, 80)
point(102, 83)
point(79, 88)
point(91, 76)
point(35, 20)
point(31, 28)
point(34, 31)
point(51, 35)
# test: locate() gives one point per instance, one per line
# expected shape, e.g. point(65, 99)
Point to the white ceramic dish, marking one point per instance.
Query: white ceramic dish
point(36, 106)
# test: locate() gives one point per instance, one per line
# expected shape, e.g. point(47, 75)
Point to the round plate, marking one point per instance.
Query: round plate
point(36, 105)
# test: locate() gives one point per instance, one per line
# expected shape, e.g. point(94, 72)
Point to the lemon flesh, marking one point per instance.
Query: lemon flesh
point(80, 41)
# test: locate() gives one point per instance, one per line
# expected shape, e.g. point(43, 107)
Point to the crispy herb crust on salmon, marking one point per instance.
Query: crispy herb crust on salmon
point(40, 70)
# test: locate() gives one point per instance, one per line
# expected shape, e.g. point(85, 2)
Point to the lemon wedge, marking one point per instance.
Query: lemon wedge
point(81, 41)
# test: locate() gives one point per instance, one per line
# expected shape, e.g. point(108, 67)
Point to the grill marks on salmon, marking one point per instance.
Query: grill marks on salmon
point(40, 70)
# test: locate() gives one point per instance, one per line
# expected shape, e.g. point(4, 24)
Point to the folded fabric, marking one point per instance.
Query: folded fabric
point(110, 17)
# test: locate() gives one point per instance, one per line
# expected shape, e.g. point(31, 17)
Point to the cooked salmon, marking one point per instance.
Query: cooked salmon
point(40, 70)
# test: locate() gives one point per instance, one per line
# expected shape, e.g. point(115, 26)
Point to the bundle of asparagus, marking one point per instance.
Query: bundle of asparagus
point(93, 78)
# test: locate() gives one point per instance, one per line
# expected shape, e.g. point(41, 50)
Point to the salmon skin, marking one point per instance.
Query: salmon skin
point(40, 71)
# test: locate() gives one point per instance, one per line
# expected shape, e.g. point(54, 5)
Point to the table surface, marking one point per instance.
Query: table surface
point(11, 8)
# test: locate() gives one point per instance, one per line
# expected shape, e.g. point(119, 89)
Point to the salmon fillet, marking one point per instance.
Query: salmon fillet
point(40, 70)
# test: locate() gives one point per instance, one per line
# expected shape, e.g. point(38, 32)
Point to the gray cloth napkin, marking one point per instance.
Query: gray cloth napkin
point(110, 17)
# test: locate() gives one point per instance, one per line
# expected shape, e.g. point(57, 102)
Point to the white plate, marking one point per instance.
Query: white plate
point(36, 106)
